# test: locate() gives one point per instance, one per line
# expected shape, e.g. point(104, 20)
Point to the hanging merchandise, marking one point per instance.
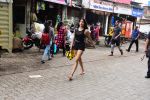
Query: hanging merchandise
point(124, 27)
point(113, 21)
point(58, 19)
point(40, 6)
point(111, 31)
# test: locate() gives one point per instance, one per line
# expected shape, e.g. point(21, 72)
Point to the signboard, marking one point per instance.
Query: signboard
point(123, 9)
point(122, 1)
point(137, 12)
point(57, 1)
point(101, 5)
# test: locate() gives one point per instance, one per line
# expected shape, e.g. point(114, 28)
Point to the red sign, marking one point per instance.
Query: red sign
point(122, 1)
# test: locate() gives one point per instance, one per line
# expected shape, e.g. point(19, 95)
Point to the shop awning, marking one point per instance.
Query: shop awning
point(58, 1)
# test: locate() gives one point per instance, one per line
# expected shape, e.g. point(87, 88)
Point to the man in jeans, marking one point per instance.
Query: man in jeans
point(134, 37)
point(147, 50)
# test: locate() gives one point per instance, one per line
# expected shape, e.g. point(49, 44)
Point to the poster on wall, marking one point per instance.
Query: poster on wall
point(58, 1)
point(129, 26)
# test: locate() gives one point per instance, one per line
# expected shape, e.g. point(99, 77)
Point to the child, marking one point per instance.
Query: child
point(46, 41)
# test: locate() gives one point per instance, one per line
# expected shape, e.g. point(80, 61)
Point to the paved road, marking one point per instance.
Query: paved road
point(106, 78)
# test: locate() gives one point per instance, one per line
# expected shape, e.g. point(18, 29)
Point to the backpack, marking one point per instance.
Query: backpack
point(45, 39)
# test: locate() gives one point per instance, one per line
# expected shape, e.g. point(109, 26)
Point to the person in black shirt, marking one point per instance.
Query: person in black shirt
point(78, 45)
point(116, 39)
point(147, 51)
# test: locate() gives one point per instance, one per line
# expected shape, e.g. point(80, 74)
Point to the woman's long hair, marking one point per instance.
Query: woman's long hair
point(85, 24)
point(50, 23)
point(60, 24)
point(46, 30)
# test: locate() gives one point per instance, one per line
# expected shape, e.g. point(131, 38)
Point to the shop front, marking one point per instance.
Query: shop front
point(76, 10)
point(21, 16)
point(122, 14)
point(99, 13)
point(50, 10)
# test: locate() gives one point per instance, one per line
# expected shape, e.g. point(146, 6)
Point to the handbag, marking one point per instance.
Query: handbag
point(70, 54)
point(55, 48)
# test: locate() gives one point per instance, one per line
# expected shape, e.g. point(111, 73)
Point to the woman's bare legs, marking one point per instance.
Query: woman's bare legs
point(74, 67)
point(81, 64)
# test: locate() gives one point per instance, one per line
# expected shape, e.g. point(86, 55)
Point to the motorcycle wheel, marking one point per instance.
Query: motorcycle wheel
point(27, 45)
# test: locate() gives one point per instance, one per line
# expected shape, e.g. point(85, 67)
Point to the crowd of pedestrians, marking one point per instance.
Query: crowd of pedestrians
point(73, 38)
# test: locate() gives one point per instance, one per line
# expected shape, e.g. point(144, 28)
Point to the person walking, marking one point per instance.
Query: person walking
point(147, 51)
point(52, 38)
point(78, 45)
point(134, 39)
point(61, 36)
point(116, 39)
point(46, 41)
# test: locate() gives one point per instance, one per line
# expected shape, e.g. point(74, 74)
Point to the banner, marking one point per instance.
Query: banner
point(57, 1)
point(101, 5)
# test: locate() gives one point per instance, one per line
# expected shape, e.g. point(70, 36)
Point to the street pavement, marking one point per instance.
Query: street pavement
point(106, 78)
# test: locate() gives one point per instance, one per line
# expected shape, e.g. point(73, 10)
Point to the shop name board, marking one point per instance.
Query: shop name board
point(101, 5)
point(137, 12)
point(57, 1)
point(123, 9)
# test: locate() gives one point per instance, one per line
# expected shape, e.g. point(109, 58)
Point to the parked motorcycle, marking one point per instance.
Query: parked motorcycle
point(31, 39)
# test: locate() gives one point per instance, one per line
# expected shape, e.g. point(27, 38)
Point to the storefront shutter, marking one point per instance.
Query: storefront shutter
point(5, 28)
